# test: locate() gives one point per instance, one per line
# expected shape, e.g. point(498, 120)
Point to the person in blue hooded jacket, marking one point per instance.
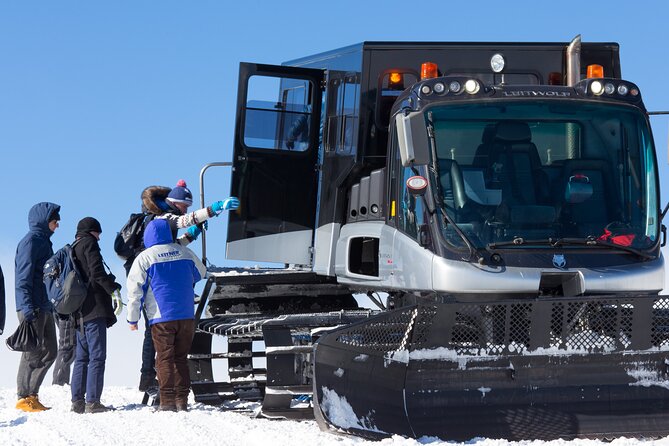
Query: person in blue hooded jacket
point(161, 279)
point(32, 303)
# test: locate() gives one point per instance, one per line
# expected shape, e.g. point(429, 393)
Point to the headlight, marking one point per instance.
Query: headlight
point(497, 63)
point(455, 86)
point(596, 88)
point(472, 87)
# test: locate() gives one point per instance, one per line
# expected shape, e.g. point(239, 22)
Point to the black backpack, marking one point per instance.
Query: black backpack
point(129, 241)
point(64, 283)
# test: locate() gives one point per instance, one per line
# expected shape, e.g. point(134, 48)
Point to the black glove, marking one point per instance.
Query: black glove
point(31, 315)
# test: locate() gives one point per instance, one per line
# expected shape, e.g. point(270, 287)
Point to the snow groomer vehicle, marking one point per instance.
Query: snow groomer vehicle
point(500, 204)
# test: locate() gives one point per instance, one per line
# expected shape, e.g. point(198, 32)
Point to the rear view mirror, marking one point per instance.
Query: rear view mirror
point(412, 137)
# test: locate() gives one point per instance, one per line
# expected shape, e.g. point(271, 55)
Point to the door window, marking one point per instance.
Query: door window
point(277, 114)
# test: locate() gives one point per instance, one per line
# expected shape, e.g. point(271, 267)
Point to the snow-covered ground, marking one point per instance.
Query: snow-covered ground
point(134, 424)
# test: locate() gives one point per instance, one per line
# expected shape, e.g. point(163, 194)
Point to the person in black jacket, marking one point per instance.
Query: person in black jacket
point(97, 315)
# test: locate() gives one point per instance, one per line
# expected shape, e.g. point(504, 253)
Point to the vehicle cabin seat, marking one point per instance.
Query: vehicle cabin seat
point(589, 216)
point(515, 167)
point(515, 164)
point(484, 149)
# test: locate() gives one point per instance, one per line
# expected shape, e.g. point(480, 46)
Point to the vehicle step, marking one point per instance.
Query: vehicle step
point(301, 413)
point(289, 390)
point(227, 355)
point(289, 349)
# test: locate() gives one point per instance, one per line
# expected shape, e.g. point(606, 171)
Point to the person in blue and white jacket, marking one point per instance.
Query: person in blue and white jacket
point(162, 279)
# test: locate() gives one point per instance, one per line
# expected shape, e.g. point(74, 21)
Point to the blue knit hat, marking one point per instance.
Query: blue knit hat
point(180, 194)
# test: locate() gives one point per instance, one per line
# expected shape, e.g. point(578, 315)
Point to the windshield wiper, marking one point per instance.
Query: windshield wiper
point(434, 168)
point(473, 252)
point(587, 241)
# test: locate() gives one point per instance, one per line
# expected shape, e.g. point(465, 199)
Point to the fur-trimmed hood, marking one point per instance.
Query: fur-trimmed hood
point(151, 196)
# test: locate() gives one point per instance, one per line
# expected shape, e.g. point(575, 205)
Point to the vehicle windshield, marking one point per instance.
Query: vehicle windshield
point(544, 171)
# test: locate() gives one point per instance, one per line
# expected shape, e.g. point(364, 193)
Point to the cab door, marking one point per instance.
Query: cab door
point(275, 164)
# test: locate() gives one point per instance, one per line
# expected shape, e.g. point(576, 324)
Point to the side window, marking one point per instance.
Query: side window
point(556, 141)
point(349, 113)
point(343, 112)
point(411, 214)
point(277, 113)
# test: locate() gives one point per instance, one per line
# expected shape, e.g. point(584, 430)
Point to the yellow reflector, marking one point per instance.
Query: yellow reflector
point(392, 208)
point(595, 70)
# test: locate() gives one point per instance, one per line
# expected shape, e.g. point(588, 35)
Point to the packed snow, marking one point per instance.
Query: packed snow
point(133, 423)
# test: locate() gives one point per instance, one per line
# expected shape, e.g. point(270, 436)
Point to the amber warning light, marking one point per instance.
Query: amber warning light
point(396, 81)
point(429, 70)
point(595, 71)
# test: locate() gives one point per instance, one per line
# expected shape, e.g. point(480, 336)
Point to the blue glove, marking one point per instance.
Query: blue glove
point(193, 232)
point(228, 203)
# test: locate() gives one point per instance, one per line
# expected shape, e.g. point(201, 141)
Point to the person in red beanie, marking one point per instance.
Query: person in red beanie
point(172, 205)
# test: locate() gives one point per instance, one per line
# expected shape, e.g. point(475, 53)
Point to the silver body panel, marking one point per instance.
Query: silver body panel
point(453, 276)
point(325, 243)
point(405, 265)
point(287, 247)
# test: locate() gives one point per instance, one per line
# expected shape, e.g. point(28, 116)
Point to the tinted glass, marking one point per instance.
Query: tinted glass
point(277, 113)
point(343, 111)
point(411, 214)
point(546, 170)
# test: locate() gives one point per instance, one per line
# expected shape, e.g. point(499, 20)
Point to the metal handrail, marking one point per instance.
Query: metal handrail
point(204, 231)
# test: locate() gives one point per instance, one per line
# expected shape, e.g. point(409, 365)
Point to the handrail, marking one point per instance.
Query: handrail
point(204, 231)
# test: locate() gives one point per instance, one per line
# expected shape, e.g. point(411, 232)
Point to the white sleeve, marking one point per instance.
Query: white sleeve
point(137, 278)
point(193, 218)
point(184, 240)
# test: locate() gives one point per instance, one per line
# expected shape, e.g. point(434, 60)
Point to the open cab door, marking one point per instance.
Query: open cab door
point(275, 164)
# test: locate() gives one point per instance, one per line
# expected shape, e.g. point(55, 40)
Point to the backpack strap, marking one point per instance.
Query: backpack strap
point(107, 267)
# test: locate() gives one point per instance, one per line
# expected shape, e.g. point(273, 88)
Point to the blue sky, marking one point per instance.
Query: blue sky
point(101, 99)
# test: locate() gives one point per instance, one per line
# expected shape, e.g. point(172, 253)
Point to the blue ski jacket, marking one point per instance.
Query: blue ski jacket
point(162, 277)
point(32, 253)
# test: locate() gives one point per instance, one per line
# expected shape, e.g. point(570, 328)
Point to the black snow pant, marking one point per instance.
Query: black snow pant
point(66, 349)
point(34, 365)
